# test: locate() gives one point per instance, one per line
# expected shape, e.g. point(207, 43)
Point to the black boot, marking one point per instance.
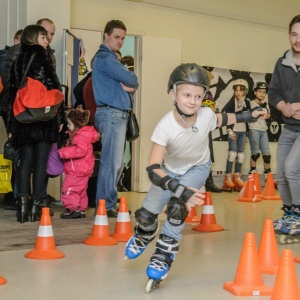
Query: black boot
point(23, 213)
point(36, 210)
point(210, 186)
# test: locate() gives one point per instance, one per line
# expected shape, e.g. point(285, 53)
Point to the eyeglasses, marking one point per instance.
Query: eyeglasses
point(294, 35)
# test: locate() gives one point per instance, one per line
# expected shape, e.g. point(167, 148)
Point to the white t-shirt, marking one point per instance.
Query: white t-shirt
point(184, 147)
point(260, 124)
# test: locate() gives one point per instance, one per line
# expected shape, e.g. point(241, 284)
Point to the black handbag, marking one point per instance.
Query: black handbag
point(133, 130)
point(10, 152)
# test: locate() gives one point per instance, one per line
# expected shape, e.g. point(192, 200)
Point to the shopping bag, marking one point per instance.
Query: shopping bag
point(55, 165)
point(5, 175)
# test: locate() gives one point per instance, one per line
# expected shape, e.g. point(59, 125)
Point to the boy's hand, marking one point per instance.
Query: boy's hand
point(196, 199)
point(259, 113)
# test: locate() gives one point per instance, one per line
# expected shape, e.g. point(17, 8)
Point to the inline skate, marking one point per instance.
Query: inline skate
point(161, 261)
point(290, 230)
point(228, 185)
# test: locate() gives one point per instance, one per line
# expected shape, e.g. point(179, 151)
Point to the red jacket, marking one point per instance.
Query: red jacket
point(78, 157)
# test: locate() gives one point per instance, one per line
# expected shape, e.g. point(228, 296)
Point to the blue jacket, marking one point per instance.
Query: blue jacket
point(108, 73)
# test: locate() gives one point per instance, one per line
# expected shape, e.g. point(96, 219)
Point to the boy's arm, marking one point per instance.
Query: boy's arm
point(224, 119)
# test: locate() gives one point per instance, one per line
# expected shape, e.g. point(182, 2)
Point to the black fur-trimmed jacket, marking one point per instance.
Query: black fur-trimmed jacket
point(41, 69)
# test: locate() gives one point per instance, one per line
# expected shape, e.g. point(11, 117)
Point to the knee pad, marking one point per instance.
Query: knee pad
point(255, 157)
point(267, 159)
point(176, 211)
point(232, 156)
point(167, 244)
point(240, 157)
point(146, 219)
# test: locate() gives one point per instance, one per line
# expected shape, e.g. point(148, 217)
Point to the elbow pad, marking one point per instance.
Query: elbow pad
point(179, 190)
point(246, 116)
point(156, 179)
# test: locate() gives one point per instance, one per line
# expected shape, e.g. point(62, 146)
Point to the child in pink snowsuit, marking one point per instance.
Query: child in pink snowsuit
point(78, 163)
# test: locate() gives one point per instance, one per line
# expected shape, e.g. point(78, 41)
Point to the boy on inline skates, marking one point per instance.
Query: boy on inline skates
point(179, 165)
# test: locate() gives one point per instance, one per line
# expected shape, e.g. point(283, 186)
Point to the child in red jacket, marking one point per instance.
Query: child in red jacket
point(78, 163)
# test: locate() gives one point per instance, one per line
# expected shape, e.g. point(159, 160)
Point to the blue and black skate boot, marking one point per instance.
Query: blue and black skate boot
point(278, 223)
point(138, 242)
point(161, 260)
point(291, 229)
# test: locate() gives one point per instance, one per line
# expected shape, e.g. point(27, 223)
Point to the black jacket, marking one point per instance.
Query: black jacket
point(41, 69)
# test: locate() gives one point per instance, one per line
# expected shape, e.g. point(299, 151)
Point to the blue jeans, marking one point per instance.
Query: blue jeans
point(259, 141)
point(157, 198)
point(112, 124)
point(288, 167)
point(238, 147)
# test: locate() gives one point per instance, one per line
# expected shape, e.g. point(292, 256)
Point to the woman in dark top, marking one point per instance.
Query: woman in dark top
point(34, 140)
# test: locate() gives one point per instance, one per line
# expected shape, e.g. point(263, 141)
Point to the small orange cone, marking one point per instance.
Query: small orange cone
point(268, 250)
point(258, 190)
point(192, 216)
point(45, 243)
point(208, 219)
point(123, 229)
point(100, 234)
point(269, 190)
point(248, 279)
point(2, 280)
point(286, 283)
point(249, 194)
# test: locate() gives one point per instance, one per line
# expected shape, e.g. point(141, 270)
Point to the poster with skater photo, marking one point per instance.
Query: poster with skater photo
point(222, 91)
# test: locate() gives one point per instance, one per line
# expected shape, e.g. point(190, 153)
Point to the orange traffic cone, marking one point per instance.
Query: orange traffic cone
point(100, 234)
point(123, 229)
point(208, 219)
point(286, 282)
point(192, 216)
point(269, 190)
point(45, 243)
point(258, 190)
point(249, 194)
point(248, 279)
point(268, 250)
point(2, 280)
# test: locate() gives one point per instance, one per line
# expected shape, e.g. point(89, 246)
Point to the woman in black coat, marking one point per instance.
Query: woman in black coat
point(34, 140)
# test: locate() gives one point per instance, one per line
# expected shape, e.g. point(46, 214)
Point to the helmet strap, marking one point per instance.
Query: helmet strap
point(181, 113)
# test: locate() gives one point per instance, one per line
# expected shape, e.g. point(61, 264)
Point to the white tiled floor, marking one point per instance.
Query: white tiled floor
point(205, 261)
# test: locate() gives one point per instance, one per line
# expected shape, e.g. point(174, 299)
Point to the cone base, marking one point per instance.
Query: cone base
point(105, 241)
point(237, 290)
point(122, 237)
point(272, 270)
point(244, 199)
point(194, 219)
point(48, 254)
point(271, 198)
point(208, 227)
point(2, 280)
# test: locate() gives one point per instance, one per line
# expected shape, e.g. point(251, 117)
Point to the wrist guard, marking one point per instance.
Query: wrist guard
point(246, 116)
point(179, 190)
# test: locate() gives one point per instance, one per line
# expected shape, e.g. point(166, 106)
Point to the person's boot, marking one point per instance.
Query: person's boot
point(210, 186)
point(23, 212)
point(36, 210)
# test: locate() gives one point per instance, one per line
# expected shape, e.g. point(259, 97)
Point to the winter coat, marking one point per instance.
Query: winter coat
point(78, 154)
point(41, 69)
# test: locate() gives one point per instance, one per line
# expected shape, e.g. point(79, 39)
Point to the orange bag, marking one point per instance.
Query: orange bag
point(34, 103)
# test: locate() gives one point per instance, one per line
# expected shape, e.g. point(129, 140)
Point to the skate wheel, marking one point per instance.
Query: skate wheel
point(151, 285)
point(282, 239)
point(126, 257)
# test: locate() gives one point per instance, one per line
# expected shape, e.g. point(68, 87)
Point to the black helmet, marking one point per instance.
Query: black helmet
point(260, 85)
point(189, 73)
